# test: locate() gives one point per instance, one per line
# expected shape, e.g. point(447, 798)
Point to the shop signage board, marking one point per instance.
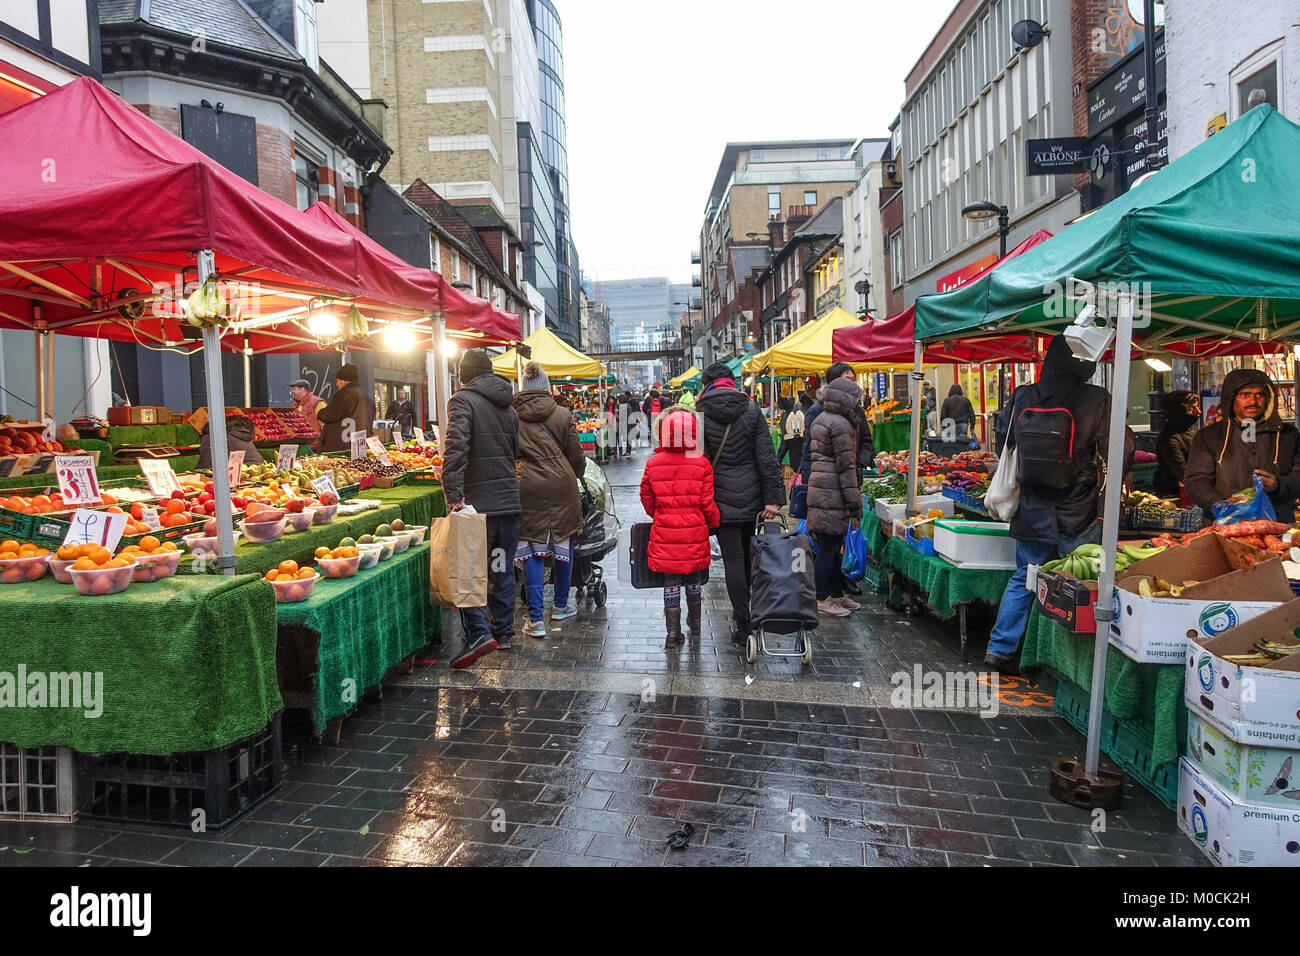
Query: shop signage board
point(1123, 89)
point(955, 280)
point(1051, 157)
point(77, 484)
point(161, 478)
point(882, 385)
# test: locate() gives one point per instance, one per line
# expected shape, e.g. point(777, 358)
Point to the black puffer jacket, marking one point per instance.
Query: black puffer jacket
point(481, 448)
point(745, 476)
point(1048, 515)
point(239, 437)
point(1221, 463)
point(957, 407)
point(833, 483)
point(352, 405)
point(1174, 443)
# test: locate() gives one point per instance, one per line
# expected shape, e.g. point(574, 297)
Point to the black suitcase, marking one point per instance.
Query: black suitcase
point(783, 594)
point(642, 577)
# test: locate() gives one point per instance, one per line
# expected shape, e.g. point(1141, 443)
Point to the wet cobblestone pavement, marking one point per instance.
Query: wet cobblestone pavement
point(594, 746)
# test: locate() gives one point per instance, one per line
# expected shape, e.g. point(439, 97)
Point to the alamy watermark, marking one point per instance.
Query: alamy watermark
point(77, 690)
point(919, 689)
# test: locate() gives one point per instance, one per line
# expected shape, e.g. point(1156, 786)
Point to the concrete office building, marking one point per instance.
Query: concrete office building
point(863, 242)
point(973, 101)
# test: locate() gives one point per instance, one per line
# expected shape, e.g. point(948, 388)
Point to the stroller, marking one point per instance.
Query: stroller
point(598, 537)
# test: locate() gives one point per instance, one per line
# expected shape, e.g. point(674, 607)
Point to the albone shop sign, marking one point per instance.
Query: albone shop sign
point(1049, 157)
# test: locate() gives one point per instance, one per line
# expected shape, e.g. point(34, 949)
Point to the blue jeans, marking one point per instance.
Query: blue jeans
point(1013, 614)
point(502, 539)
point(534, 572)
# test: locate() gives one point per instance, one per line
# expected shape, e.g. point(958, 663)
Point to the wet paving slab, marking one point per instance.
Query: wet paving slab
point(594, 746)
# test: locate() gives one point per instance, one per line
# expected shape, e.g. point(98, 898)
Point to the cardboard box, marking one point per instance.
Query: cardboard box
point(1247, 772)
point(1067, 600)
point(1255, 705)
point(1235, 832)
point(1236, 583)
point(139, 415)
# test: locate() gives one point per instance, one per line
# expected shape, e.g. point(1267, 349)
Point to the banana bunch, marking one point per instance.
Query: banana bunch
point(1159, 587)
point(206, 307)
point(1084, 562)
point(358, 330)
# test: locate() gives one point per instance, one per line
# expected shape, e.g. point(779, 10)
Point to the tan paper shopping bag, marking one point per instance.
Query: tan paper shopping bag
point(458, 562)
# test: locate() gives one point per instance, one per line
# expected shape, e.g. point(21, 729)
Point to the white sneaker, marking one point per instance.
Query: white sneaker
point(848, 603)
point(830, 607)
point(535, 629)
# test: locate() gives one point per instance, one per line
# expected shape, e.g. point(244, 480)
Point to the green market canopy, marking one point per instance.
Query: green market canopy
point(1211, 244)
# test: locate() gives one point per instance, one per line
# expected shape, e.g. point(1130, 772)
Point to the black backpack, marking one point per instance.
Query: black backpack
point(1045, 444)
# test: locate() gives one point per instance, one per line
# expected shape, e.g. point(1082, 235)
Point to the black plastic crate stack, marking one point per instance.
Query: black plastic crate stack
point(37, 784)
point(224, 783)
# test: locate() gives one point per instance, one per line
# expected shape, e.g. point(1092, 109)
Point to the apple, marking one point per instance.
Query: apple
point(178, 495)
point(210, 528)
point(137, 512)
point(398, 525)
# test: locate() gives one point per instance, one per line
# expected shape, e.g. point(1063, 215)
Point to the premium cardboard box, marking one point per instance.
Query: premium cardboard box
point(1233, 832)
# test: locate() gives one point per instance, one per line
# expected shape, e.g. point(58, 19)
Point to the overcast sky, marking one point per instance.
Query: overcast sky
point(655, 91)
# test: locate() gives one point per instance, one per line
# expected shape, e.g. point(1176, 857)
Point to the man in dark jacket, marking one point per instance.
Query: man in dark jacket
point(1250, 439)
point(351, 410)
point(1051, 523)
point(958, 408)
point(479, 469)
point(746, 479)
point(402, 412)
point(239, 437)
point(1174, 442)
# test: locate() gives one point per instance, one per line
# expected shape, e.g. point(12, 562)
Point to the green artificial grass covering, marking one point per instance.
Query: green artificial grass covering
point(1149, 696)
point(420, 504)
point(119, 435)
point(188, 663)
point(893, 435)
point(946, 586)
point(872, 532)
point(361, 626)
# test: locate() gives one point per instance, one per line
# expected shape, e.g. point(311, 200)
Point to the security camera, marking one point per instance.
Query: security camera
point(1089, 341)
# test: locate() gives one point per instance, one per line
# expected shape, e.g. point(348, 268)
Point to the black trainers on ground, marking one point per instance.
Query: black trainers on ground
point(472, 651)
point(503, 642)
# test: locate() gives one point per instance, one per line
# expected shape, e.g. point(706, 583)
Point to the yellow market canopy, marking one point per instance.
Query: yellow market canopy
point(558, 358)
point(807, 350)
point(690, 373)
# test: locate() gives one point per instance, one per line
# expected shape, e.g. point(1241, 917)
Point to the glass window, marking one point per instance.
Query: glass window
point(1264, 80)
point(756, 156)
point(306, 176)
point(896, 259)
point(305, 31)
point(774, 202)
point(810, 197)
point(435, 253)
point(455, 266)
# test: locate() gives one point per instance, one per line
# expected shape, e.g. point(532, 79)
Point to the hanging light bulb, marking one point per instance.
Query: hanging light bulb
point(449, 348)
point(323, 324)
point(398, 338)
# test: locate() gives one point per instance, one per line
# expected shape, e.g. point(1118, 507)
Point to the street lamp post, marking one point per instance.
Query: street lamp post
point(984, 210)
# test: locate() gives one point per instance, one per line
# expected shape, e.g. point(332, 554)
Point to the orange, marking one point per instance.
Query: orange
point(114, 511)
point(270, 575)
point(9, 545)
point(85, 564)
point(322, 552)
point(282, 576)
point(119, 563)
point(108, 499)
point(167, 546)
point(174, 506)
point(175, 520)
point(306, 573)
point(68, 552)
point(41, 501)
point(8, 555)
point(149, 543)
point(288, 567)
point(98, 554)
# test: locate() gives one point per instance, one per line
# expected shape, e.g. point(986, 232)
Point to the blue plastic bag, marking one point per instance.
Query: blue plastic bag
point(1257, 507)
point(854, 565)
point(802, 528)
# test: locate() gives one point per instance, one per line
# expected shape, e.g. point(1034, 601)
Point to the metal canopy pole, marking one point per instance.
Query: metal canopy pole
point(1110, 527)
point(40, 376)
point(248, 379)
point(225, 560)
point(914, 440)
point(438, 380)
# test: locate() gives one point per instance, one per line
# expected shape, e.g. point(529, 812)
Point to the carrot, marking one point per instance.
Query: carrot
point(1274, 543)
point(1252, 540)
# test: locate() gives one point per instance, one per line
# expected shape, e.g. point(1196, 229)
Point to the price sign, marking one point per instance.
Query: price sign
point(288, 454)
point(330, 472)
point(77, 481)
point(376, 446)
point(288, 491)
point(96, 527)
point(358, 444)
point(323, 484)
point(150, 517)
point(162, 480)
point(236, 465)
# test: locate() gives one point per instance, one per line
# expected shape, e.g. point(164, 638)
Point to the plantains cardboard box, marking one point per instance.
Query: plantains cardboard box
point(1256, 705)
point(1247, 772)
point(1234, 832)
point(1235, 583)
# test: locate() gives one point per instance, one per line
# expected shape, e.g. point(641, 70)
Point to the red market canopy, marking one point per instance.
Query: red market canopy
point(102, 213)
point(893, 339)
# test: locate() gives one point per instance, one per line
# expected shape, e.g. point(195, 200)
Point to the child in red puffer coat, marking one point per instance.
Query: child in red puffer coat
point(677, 493)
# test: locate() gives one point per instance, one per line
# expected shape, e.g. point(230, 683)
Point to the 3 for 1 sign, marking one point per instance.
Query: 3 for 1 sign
point(77, 482)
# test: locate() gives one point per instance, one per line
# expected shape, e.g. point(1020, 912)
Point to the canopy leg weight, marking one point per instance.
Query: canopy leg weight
point(407, 664)
point(1071, 784)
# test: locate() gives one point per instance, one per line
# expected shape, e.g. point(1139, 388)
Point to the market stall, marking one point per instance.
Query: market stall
point(1165, 260)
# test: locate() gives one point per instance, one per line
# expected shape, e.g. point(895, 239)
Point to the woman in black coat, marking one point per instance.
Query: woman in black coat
point(834, 498)
point(746, 479)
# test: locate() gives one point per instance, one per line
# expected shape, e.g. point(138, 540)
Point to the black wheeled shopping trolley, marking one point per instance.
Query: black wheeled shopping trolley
point(783, 595)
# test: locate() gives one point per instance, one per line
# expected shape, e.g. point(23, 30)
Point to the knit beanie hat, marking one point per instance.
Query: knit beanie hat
point(347, 373)
point(716, 371)
point(535, 378)
point(474, 363)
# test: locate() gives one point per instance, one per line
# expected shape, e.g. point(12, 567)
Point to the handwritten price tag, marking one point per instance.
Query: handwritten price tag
point(288, 492)
point(150, 517)
point(96, 527)
point(236, 466)
point(358, 444)
point(162, 480)
point(288, 454)
point(377, 447)
point(323, 484)
point(77, 481)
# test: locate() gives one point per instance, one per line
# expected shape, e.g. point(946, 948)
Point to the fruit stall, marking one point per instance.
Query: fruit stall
point(188, 659)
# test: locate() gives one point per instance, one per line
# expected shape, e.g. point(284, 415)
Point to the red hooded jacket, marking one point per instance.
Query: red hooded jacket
point(677, 493)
